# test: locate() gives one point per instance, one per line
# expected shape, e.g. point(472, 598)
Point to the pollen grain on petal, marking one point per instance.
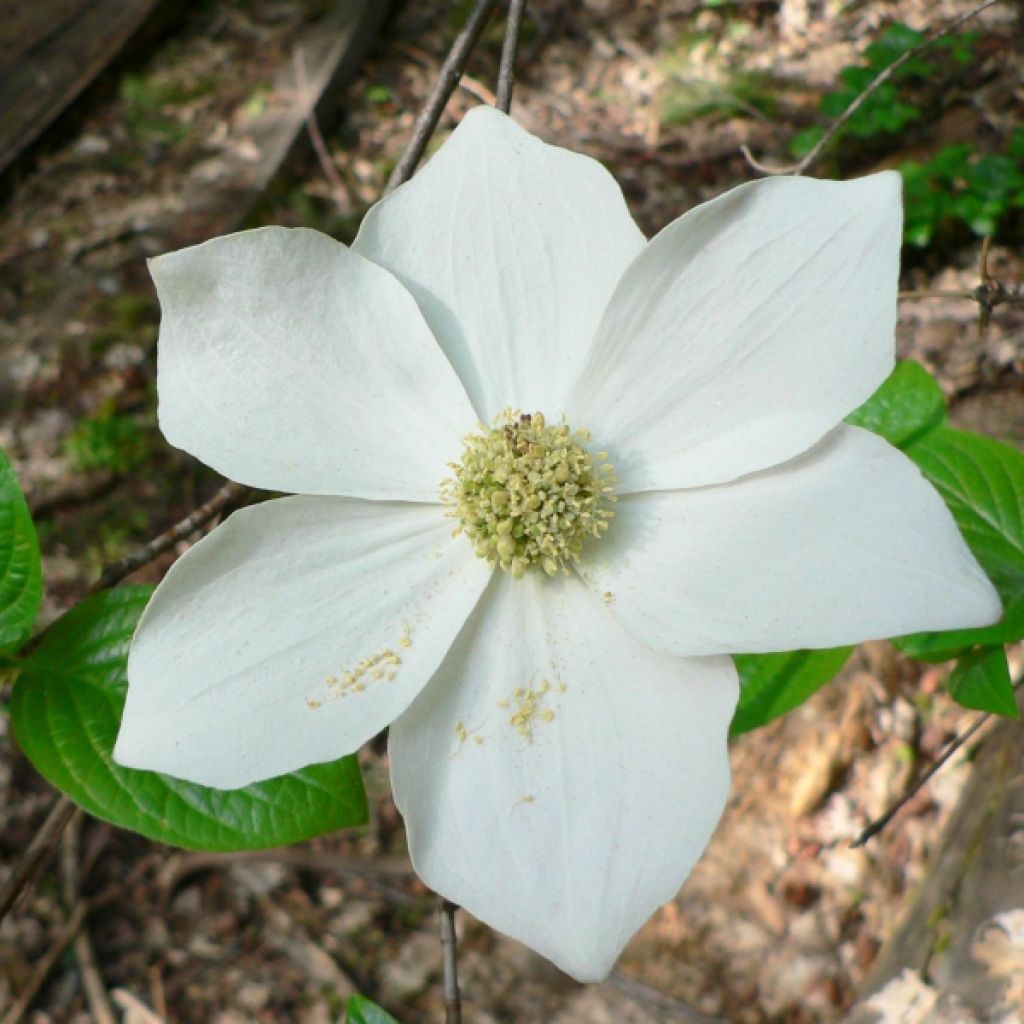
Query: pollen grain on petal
point(530, 707)
point(382, 666)
point(464, 733)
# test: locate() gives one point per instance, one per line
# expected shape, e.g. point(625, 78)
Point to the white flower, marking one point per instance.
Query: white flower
point(558, 745)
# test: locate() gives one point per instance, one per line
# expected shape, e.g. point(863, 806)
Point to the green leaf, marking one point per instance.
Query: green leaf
point(772, 684)
point(907, 406)
point(891, 45)
point(982, 482)
point(981, 681)
point(955, 643)
point(66, 708)
point(21, 580)
point(361, 1011)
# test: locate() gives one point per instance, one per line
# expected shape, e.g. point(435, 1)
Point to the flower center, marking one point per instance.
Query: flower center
point(526, 493)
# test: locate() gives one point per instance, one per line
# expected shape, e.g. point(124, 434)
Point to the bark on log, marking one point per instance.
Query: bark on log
point(959, 953)
point(50, 50)
point(327, 57)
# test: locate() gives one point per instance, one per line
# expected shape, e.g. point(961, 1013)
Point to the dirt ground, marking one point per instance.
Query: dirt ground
point(783, 918)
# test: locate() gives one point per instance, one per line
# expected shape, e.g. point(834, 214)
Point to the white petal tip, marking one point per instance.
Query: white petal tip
point(987, 607)
point(587, 972)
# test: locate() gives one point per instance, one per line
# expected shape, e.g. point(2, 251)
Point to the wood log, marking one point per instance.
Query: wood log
point(50, 50)
point(326, 58)
point(959, 952)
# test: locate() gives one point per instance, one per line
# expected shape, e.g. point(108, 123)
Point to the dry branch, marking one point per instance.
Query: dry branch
point(230, 494)
point(78, 914)
point(39, 851)
point(509, 49)
point(447, 80)
point(803, 165)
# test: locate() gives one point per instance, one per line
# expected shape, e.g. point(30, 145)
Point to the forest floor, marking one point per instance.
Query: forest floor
point(782, 919)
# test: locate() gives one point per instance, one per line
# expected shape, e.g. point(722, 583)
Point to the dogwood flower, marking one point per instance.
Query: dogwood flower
point(548, 476)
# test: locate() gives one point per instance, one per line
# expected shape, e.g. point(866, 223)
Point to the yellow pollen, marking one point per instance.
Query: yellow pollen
point(528, 493)
point(528, 707)
point(379, 666)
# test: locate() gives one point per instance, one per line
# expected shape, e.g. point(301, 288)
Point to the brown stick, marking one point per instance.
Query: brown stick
point(92, 981)
point(39, 851)
point(45, 965)
point(447, 80)
point(956, 743)
point(880, 79)
point(509, 49)
point(452, 999)
point(78, 914)
point(935, 295)
point(229, 494)
point(323, 155)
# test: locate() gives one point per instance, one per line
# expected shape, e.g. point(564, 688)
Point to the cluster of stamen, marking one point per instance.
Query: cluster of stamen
point(529, 493)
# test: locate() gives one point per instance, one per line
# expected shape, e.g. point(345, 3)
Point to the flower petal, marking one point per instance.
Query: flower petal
point(567, 829)
point(289, 362)
point(512, 248)
point(229, 672)
point(845, 543)
point(745, 331)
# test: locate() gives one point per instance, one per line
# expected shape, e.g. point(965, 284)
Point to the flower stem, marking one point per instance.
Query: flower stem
point(452, 1000)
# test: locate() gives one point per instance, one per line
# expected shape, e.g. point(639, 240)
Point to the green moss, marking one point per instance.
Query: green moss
point(108, 441)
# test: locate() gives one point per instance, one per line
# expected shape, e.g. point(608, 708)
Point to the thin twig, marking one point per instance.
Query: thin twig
point(78, 915)
point(447, 80)
point(665, 1005)
point(452, 999)
point(936, 295)
point(989, 294)
point(45, 965)
point(100, 1007)
point(880, 79)
point(323, 155)
point(378, 874)
point(39, 851)
point(509, 49)
point(955, 744)
point(229, 494)
point(986, 246)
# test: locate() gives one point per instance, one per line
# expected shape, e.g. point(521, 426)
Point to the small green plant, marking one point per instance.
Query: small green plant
point(109, 441)
point(697, 83)
point(149, 102)
point(688, 98)
point(958, 184)
point(379, 94)
point(885, 111)
point(256, 103)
